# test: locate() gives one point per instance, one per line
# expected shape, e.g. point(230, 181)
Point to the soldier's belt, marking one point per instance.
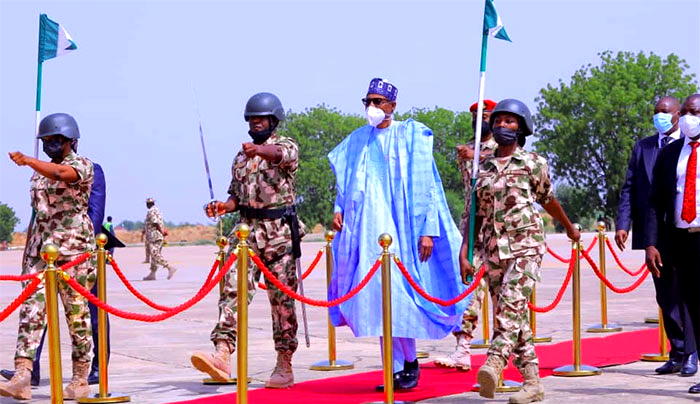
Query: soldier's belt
point(254, 213)
point(288, 213)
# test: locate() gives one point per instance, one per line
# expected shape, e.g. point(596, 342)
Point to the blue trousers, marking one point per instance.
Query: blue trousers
point(404, 350)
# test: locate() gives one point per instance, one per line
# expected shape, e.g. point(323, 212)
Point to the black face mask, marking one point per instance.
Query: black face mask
point(53, 148)
point(261, 136)
point(485, 127)
point(504, 136)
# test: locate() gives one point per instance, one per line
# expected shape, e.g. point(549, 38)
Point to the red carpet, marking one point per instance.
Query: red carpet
point(616, 349)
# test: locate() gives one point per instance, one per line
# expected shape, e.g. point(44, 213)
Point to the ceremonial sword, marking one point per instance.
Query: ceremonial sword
point(303, 305)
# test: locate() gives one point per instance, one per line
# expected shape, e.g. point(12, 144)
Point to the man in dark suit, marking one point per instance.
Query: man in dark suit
point(634, 203)
point(673, 218)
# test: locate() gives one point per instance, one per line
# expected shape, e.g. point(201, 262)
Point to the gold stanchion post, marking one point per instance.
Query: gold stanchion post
point(485, 342)
point(533, 320)
point(242, 232)
point(603, 326)
point(662, 355)
point(49, 253)
point(576, 369)
point(221, 242)
point(332, 363)
point(103, 396)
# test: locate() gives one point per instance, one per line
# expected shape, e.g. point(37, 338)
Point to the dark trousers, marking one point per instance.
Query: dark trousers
point(686, 262)
point(93, 323)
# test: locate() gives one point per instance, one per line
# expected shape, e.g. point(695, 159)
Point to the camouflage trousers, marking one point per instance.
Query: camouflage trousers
point(155, 254)
point(511, 282)
point(32, 312)
point(147, 247)
point(284, 319)
point(470, 318)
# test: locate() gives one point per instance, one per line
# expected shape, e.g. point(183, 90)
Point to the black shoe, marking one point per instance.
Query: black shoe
point(94, 376)
point(8, 374)
point(397, 379)
point(411, 374)
point(690, 365)
point(672, 366)
point(695, 389)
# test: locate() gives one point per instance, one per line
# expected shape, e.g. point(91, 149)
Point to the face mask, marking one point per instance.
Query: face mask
point(375, 116)
point(485, 127)
point(690, 125)
point(53, 149)
point(504, 136)
point(662, 122)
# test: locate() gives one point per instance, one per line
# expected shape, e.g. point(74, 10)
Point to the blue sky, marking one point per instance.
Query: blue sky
point(129, 85)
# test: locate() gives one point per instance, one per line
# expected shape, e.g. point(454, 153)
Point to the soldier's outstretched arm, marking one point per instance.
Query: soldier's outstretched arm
point(218, 208)
point(60, 172)
point(554, 208)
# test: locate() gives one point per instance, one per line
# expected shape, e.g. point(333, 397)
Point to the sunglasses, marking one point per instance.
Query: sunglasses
point(375, 101)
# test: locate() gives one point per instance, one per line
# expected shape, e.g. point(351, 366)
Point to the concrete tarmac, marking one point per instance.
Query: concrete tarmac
point(150, 361)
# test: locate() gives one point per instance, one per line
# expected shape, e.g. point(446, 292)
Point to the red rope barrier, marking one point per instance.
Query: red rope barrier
point(321, 303)
point(17, 278)
point(158, 317)
point(28, 291)
point(560, 293)
point(81, 258)
point(146, 300)
point(565, 260)
point(607, 282)
point(619, 263)
point(305, 274)
point(422, 292)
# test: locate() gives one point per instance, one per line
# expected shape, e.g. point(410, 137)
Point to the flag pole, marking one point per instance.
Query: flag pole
point(39, 73)
point(477, 144)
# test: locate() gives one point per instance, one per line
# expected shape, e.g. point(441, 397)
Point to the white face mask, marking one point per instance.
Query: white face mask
point(690, 125)
point(375, 116)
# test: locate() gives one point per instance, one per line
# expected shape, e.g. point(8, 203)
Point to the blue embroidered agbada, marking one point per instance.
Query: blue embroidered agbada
point(387, 181)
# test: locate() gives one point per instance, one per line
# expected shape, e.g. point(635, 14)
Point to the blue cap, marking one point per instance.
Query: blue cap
point(381, 87)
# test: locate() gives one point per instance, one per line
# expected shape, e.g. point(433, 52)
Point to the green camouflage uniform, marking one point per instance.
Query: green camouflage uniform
point(471, 315)
point(61, 219)
point(154, 239)
point(260, 184)
point(511, 243)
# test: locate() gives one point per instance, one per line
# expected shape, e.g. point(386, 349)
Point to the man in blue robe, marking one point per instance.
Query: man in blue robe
point(387, 182)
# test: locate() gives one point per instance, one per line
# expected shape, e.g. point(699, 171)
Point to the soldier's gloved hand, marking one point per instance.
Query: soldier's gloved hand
point(215, 208)
point(250, 149)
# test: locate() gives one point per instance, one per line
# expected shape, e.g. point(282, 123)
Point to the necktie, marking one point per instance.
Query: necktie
point(688, 212)
point(665, 140)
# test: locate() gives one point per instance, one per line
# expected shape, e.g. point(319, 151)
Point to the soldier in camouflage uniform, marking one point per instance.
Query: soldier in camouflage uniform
point(155, 232)
point(510, 241)
point(262, 190)
point(59, 194)
point(461, 357)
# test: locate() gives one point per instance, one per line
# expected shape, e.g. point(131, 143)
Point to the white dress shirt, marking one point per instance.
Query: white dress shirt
point(680, 185)
point(674, 136)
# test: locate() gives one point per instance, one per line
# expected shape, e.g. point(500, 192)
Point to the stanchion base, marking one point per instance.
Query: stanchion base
point(651, 320)
point(654, 357)
point(480, 344)
point(111, 398)
point(422, 355)
point(507, 386)
point(600, 328)
point(538, 340)
point(337, 364)
point(570, 371)
point(212, 382)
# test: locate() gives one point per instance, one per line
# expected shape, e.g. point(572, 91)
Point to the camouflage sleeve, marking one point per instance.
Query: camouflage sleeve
point(542, 183)
point(84, 168)
point(290, 154)
point(232, 189)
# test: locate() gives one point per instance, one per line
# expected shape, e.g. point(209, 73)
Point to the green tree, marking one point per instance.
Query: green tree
point(587, 127)
point(577, 204)
point(8, 221)
point(317, 131)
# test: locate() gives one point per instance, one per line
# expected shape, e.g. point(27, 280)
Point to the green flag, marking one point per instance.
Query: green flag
point(54, 40)
point(492, 22)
